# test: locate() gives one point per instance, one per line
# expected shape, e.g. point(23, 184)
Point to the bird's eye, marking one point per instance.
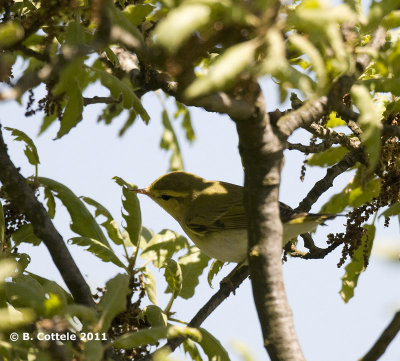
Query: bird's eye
point(165, 197)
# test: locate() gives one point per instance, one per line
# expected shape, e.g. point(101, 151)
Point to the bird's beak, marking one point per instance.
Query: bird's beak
point(141, 191)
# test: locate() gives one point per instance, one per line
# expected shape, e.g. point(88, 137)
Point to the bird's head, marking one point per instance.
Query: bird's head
point(175, 191)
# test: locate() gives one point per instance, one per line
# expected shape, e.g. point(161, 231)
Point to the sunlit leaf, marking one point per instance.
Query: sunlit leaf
point(180, 23)
point(11, 319)
point(173, 276)
point(137, 13)
point(369, 122)
point(150, 285)
point(225, 71)
point(328, 157)
point(215, 267)
point(212, 347)
point(10, 33)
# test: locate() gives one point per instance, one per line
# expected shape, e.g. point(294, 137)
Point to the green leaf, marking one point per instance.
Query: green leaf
point(12, 319)
point(163, 245)
point(30, 148)
point(173, 276)
point(132, 214)
point(51, 203)
point(25, 291)
point(328, 157)
point(215, 267)
point(335, 121)
point(317, 61)
point(150, 285)
point(357, 264)
point(75, 34)
point(192, 264)
point(393, 210)
point(100, 250)
point(225, 71)
point(113, 301)
point(2, 225)
point(50, 286)
point(391, 20)
point(180, 23)
point(25, 234)
point(169, 141)
point(148, 336)
point(369, 122)
point(119, 88)
point(212, 347)
point(93, 350)
point(137, 13)
point(154, 315)
point(110, 224)
point(83, 222)
point(8, 268)
point(190, 348)
point(82, 312)
point(383, 85)
point(378, 11)
point(73, 110)
point(10, 33)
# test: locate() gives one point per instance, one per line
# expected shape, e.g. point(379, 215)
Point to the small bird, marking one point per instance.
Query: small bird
point(212, 214)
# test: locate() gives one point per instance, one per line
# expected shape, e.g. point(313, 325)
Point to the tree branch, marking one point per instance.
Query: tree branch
point(325, 183)
point(97, 100)
point(19, 192)
point(387, 336)
point(262, 156)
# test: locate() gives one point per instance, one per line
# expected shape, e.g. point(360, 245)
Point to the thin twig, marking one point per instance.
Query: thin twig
point(325, 183)
point(97, 100)
point(387, 336)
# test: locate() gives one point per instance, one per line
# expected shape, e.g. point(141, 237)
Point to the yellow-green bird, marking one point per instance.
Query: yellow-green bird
point(212, 214)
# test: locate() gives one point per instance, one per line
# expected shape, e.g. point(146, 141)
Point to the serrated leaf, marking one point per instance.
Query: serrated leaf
point(154, 315)
point(110, 224)
point(192, 264)
point(169, 141)
point(215, 267)
point(119, 88)
point(173, 276)
point(25, 234)
point(328, 157)
point(212, 347)
point(163, 245)
point(30, 148)
point(83, 222)
point(100, 250)
point(357, 264)
point(132, 214)
point(150, 285)
point(225, 71)
point(369, 122)
point(73, 110)
point(180, 23)
point(51, 203)
point(12, 319)
point(113, 301)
